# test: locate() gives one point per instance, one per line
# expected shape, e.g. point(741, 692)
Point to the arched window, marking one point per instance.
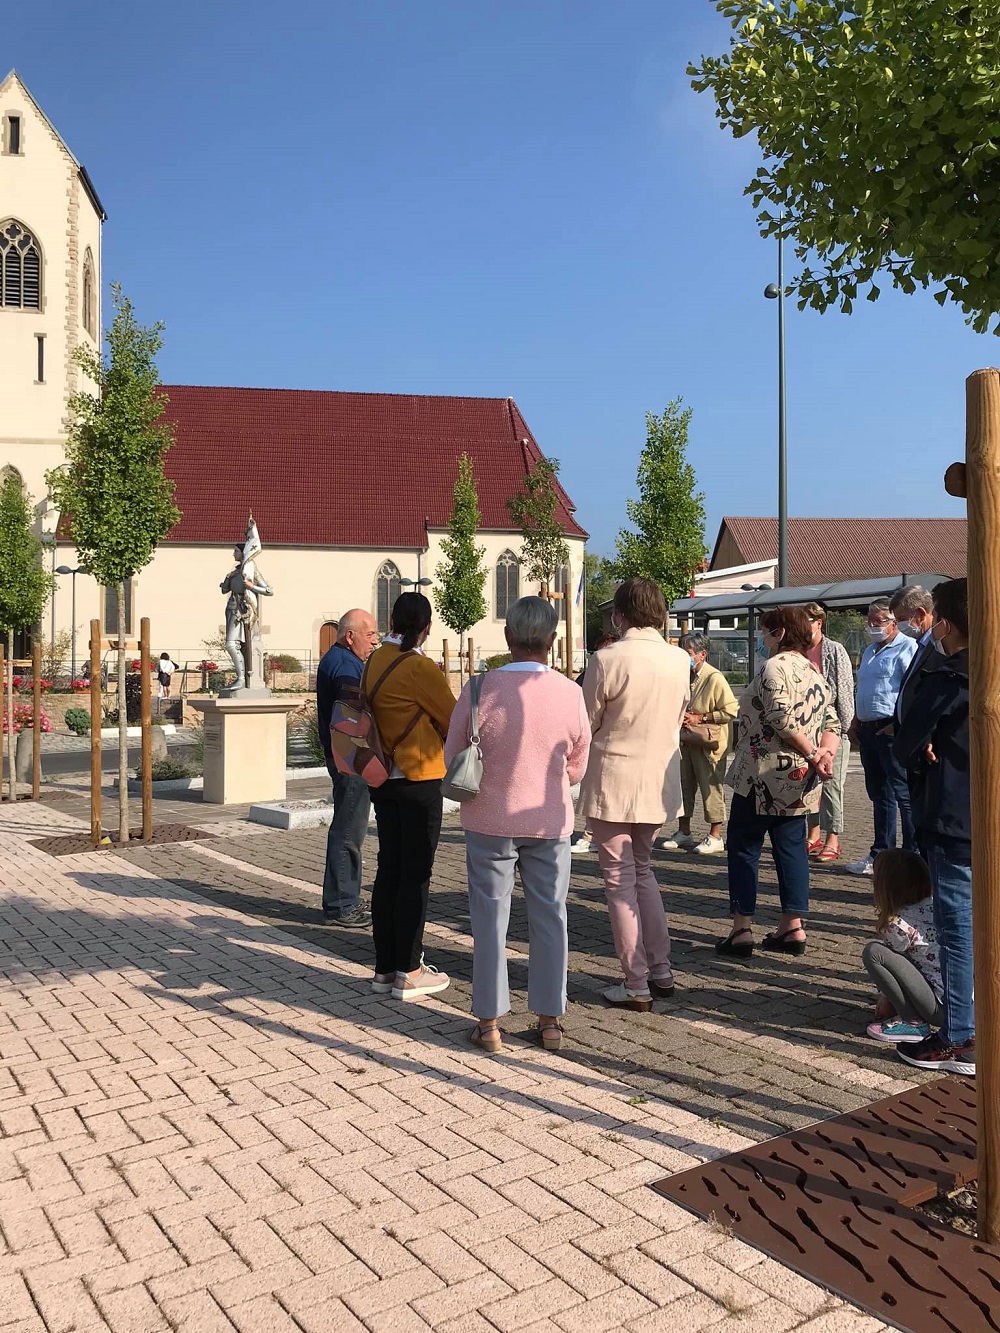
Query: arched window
point(20, 268)
point(10, 473)
point(89, 311)
point(561, 584)
point(387, 590)
point(508, 583)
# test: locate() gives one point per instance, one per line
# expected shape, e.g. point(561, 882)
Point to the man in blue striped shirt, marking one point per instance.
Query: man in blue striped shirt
point(880, 677)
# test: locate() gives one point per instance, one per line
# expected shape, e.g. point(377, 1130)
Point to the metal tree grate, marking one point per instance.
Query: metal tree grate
point(836, 1202)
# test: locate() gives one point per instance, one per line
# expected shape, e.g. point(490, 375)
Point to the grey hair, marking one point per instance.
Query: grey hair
point(695, 642)
point(910, 598)
point(531, 622)
point(879, 604)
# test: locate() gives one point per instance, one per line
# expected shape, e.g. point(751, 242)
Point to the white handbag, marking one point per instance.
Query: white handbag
point(465, 772)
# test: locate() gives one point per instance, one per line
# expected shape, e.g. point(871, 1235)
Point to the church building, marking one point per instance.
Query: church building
point(351, 492)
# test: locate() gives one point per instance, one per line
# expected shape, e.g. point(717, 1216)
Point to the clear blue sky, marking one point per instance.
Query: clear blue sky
point(497, 197)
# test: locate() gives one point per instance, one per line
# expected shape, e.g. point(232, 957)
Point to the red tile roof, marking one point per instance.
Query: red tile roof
point(828, 550)
point(340, 469)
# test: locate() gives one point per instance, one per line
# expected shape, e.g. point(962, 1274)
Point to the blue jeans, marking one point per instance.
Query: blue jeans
point(887, 788)
point(951, 875)
point(342, 878)
point(744, 844)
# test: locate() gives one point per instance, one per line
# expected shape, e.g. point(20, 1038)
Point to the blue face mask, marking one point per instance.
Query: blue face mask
point(694, 664)
point(760, 650)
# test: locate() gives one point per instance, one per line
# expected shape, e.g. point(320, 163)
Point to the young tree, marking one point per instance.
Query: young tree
point(601, 584)
point(669, 515)
point(112, 490)
point(543, 544)
point(877, 126)
point(25, 587)
point(461, 576)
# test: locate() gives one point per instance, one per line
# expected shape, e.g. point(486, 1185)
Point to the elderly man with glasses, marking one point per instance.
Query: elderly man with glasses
point(880, 678)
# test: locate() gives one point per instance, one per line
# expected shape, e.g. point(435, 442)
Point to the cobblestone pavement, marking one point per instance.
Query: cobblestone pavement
point(210, 1123)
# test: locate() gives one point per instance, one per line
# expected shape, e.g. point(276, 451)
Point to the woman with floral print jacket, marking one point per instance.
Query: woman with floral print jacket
point(787, 735)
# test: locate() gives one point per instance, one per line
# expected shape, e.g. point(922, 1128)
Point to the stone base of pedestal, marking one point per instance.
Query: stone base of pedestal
point(245, 743)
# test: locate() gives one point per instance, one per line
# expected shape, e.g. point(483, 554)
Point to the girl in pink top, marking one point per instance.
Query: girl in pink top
point(535, 739)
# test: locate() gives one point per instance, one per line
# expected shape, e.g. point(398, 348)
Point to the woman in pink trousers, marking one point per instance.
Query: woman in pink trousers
point(636, 693)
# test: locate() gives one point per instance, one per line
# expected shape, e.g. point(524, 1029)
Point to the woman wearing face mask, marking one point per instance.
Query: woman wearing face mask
point(787, 735)
point(636, 693)
point(704, 746)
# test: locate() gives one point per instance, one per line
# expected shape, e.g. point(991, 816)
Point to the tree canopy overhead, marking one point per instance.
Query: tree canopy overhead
point(879, 122)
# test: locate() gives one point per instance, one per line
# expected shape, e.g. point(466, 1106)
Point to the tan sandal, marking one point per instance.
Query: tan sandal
point(487, 1039)
point(550, 1035)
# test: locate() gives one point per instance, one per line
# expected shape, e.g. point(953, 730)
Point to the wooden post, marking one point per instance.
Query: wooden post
point(568, 597)
point(145, 722)
point(446, 659)
point(36, 720)
point(95, 732)
point(982, 483)
point(472, 660)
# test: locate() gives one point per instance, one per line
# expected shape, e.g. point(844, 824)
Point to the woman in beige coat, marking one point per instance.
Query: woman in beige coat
point(636, 692)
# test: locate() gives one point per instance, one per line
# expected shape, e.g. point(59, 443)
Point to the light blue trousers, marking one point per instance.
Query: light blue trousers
point(544, 864)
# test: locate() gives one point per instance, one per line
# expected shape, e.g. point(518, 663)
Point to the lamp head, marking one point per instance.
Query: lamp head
point(772, 291)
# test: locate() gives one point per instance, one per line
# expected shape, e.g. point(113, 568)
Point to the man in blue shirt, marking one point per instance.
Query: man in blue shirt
point(880, 678)
point(339, 675)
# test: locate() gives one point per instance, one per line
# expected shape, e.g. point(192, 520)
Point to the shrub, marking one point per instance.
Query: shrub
point(78, 721)
point(284, 662)
point(497, 660)
point(165, 770)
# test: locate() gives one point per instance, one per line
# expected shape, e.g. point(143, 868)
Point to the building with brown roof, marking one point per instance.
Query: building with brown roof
point(832, 550)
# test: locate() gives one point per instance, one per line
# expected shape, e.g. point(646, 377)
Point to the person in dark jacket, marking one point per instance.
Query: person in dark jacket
point(932, 742)
point(339, 674)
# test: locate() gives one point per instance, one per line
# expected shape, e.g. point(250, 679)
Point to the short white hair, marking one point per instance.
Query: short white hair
point(531, 622)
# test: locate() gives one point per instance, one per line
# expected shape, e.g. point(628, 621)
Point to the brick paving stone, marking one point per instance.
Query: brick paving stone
point(213, 1124)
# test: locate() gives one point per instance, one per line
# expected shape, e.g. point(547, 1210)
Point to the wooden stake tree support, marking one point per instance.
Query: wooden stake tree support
point(978, 480)
point(95, 732)
point(36, 721)
point(146, 722)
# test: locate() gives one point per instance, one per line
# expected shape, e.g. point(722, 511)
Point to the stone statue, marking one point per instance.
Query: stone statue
point(245, 585)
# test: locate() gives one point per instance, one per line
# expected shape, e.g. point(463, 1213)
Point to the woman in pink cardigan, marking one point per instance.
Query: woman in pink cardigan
point(535, 738)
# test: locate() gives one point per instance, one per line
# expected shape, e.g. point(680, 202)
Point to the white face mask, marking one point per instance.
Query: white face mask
point(909, 629)
point(877, 633)
point(938, 645)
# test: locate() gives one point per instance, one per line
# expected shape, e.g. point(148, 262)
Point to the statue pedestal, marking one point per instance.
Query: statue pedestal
point(245, 748)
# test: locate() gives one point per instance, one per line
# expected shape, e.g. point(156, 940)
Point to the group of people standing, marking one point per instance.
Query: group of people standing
point(648, 731)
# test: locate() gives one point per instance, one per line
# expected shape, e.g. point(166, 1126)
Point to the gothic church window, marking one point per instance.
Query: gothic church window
point(388, 589)
point(89, 304)
point(508, 583)
point(20, 268)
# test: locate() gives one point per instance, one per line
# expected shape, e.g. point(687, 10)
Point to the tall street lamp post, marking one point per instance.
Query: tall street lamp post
point(65, 569)
point(776, 292)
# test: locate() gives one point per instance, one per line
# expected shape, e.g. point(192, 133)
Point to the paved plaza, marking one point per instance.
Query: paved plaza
point(210, 1123)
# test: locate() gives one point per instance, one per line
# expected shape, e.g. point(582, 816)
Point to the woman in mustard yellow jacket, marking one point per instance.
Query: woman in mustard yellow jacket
point(412, 706)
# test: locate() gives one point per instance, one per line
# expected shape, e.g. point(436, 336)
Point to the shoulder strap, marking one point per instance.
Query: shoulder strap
point(381, 680)
point(475, 690)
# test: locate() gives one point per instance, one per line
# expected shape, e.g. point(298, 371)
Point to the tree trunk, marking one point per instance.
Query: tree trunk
point(123, 825)
point(11, 738)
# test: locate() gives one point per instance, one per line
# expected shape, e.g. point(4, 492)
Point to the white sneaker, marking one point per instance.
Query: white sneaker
point(677, 842)
point(428, 981)
point(709, 846)
point(863, 867)
point(580, 845)
point(622, 998)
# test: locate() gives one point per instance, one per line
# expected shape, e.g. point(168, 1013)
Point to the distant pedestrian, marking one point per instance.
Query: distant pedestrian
point(165, 673)
point(412, 709)
point(704, 747)
point(338, 676)
point(534, 741)
point(637, 693)
point(904, 962)
point(831, 660)
point(880, 678)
